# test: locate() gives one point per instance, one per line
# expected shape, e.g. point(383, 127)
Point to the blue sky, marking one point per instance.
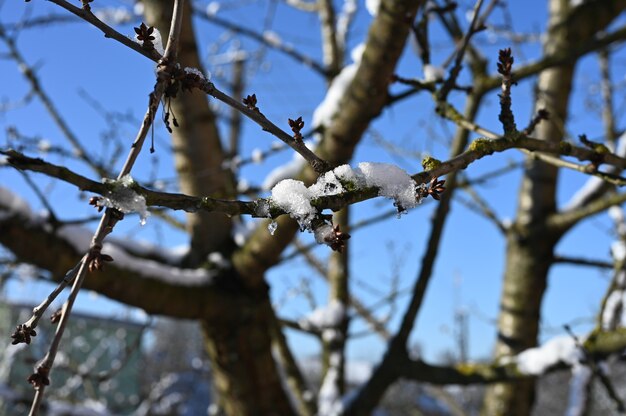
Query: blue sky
point(73, 57)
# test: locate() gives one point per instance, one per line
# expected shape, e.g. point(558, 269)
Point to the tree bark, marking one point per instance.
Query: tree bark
point(530, 241)
point(197, 148)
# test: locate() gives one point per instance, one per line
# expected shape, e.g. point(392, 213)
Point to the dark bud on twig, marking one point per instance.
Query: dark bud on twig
point(40, 378)
point(435, 188)
point(86, 5)
point(144, 34)
point(22, 334)
point(336, 239)
point(56, 316)
point(250, 102)
point(96, 259)
point(505, 62)
point(296, 126)
point(95, 201)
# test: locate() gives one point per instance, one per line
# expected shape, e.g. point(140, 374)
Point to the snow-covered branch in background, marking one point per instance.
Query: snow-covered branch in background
point(79, 238)
point(328, 108)
point(536, 361)
point(594, 186)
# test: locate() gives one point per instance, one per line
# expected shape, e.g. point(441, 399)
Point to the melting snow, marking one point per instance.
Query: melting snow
point(392, 182)
point(195, 71)
point(123, 198)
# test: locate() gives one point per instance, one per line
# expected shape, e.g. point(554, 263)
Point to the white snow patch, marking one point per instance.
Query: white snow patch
point(257, 156)
point(581, 375)
point(219, 260)
point(196, 71)
point(393, 182)
point(618, 250)
point(324, 113)
point(124, 199)
point(433, 73)
point(80, 239)
point(535, 361)
point(212, 8)
point(294, 197)
point(272, 38)
point(114, 15)
point(593, 184)
point(328, 316)
point(614, 311)
point(329, 401)
point(372, 6)
point(11, 204)
point(44, 146)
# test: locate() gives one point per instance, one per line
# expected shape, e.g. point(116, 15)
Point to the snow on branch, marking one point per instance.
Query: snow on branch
point(561, 349)
point(80, 238)
point(123, 198)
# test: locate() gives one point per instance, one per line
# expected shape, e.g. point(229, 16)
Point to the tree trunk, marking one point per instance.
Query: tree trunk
point(238, 340)
point(198, 152)
point(530, 245)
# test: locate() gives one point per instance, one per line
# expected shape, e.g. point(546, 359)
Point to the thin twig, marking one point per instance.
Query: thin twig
point(109, 218)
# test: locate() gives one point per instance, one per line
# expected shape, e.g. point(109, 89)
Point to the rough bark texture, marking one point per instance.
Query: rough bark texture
point(238, 327)
point(196, 143)
point(530, 243)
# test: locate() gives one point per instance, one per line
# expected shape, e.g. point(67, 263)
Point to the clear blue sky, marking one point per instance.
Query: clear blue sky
point(73, 57)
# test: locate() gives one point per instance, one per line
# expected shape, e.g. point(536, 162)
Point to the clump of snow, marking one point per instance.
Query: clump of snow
point(257, 156)
point(581, 375)
point(392, 182)
point(326, 184)
point(329, 401)
point(243, 186)
point(196, 71)
point(294, 197)
point(618, 250)
point(219, 260)
point(329, 316)
point(272, 38)
point(114, 15)
point(535, 361)
point(329, 107)
point(344, 20)
point(44, 146)
point(433, 73)
point(124, 199)
point(212, 8)
point(372, 6)
point(614, 311)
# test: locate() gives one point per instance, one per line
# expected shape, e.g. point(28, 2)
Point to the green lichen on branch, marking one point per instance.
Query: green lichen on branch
point(482, 146)
point(565, 148)
point(430, 163)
